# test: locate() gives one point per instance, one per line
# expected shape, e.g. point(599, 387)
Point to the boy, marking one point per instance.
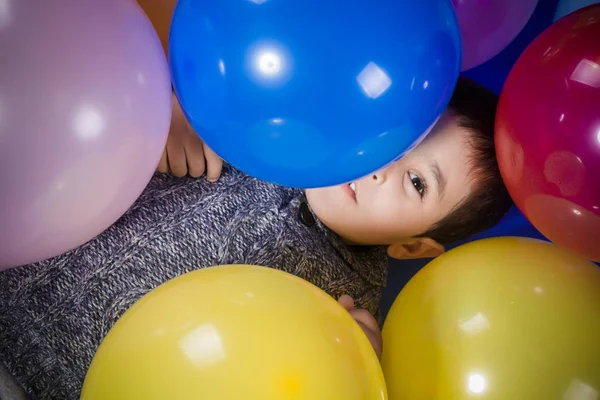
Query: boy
point(54, 314)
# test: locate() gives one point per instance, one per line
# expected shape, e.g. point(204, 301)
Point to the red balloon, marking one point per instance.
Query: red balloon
point(548, 132)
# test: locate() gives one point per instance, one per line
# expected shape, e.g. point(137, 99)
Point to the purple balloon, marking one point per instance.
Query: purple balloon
point(488, 26)
point(85, 108)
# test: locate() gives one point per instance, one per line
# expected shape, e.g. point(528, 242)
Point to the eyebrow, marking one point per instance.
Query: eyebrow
point(439, 178)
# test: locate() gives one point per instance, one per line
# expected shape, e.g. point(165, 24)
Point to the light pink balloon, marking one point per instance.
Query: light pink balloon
point(85, 107)
point(488, 26)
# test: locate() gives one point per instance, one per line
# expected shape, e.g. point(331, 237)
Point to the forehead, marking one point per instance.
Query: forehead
point(446, 132)
point(446, 152)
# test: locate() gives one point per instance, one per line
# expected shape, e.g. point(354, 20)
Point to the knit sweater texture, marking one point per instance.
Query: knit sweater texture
point(54, 314)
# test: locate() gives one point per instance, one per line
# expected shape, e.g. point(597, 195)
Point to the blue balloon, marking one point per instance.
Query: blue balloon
point(312, 93)
point(568, 6)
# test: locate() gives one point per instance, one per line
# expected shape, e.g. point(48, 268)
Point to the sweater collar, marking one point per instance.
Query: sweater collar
point(370, 262)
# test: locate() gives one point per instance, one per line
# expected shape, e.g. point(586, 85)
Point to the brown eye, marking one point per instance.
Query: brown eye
point(418, 183)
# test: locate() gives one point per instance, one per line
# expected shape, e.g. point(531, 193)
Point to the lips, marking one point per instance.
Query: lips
point(350, 190)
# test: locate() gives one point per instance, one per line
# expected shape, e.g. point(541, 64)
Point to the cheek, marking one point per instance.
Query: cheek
point(323, 200)
point(330, 206)
point(400, 217)
point(394, 214)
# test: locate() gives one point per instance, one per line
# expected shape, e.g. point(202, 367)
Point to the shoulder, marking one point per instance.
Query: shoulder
point(309, 250)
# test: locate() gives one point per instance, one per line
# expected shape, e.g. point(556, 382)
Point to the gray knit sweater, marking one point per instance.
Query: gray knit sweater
point(54, 314)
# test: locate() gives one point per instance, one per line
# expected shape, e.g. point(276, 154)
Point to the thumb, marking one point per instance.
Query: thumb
point(347, 302)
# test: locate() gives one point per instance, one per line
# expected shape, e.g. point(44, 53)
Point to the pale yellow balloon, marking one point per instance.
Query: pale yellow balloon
point(235, 332)
point(497, 319)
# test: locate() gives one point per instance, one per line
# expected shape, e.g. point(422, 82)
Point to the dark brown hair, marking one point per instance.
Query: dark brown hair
point(474, 106)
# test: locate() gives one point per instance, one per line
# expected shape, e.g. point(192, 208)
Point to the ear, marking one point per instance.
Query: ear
point(415, 248)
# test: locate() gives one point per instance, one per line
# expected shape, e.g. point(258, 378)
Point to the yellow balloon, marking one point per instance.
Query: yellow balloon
point(496, 319)
point(235, 333)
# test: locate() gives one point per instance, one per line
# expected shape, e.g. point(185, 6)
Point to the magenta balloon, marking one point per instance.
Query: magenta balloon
point(85, 106)
point(488, 26)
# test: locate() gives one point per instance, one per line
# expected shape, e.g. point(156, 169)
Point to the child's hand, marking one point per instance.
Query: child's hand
point(185, 152)
point(367, 322)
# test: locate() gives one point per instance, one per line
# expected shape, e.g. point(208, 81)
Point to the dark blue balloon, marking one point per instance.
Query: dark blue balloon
point(311, 93)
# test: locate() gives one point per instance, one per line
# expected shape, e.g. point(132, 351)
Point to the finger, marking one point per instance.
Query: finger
point(375, 339)
point(194, 154)
point(347, 302)
point(176, 158)
point(365, 318)
point(214, 164)
point(371, 329)
point(163, 164)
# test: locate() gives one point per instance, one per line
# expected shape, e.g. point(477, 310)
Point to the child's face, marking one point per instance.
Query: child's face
point(404, 199)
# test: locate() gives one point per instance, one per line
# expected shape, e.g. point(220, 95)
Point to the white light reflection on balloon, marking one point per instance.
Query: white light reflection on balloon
point(588, 73)
point(373, 80)
point(259, 2)
point(476, 383)
point(88, 122)
point(222, 67)
point(203, 346)
point(5, 14)
point(475, 324)
point(598, 136)
point(269, 63)
point(244, 300)
point(579, 390)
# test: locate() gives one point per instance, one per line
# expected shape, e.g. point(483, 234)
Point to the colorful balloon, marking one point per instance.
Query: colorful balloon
point(311, 93)
point(566, 7)
point(235, 332)
point(548, 132)
point(492, 75)
point(85, 105)
point(496, 319)
point(487, 27)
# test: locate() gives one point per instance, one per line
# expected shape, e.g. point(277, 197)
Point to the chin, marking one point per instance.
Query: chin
point(316, 199)
point(326, 202)
point(324, 205)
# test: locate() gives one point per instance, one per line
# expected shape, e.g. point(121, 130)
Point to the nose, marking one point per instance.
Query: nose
point(379, 177)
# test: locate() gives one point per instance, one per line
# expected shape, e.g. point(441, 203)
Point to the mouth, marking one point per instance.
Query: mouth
point(350, 190)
